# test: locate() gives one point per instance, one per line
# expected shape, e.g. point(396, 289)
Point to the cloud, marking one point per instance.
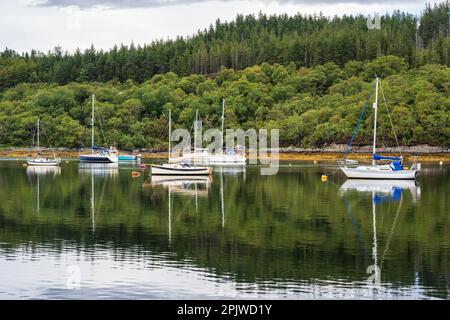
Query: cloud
point(116, 4)
point(44, 24)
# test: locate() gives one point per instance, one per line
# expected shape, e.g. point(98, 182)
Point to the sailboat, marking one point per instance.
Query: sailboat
point(98, 154)
point(42, 161)
point(394, 170)
point(182, 168)
point(226, 156)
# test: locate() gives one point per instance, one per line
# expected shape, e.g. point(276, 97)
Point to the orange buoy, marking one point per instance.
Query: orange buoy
point(135, 174)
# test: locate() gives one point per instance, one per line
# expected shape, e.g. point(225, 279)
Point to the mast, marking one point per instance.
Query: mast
point(170, 216)
point(38, 194)
point(374, 248)
point(223, 119)
point(222, 203)
point(375, 106)
point(92, 123)
point(170, 131)
point(38, 135)
point(92, 201)
point(195, 129)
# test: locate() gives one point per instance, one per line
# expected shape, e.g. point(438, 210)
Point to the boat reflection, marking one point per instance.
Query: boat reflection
point(99, 169)
point(380, 191)
point(100, 172)
point(39, 172)
point(183, 185)
point(229, 169)
point(44, 170)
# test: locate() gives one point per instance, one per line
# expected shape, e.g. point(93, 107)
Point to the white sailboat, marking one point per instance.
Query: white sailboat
point(394, 170)
point(226, 156)
point(98, 154)
point(42, 161)
point(182, 168)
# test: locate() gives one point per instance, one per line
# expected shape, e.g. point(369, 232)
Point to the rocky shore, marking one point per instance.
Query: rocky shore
point(332, 152)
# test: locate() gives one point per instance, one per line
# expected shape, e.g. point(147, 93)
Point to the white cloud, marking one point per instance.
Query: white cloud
point(27, 24)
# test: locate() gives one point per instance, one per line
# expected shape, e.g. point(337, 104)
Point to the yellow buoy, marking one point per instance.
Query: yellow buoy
point(24, 165)
point(67, 161)
point(324, 177)
point(315, 161)
point(441, 163)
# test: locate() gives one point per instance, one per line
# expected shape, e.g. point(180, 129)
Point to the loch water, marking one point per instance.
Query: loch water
point(84, 231)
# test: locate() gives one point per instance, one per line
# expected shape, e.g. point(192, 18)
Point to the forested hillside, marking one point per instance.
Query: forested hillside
point(307, 75)
point(312, 106)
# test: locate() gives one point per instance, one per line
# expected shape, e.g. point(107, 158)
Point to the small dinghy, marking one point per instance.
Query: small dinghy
point(135, 156)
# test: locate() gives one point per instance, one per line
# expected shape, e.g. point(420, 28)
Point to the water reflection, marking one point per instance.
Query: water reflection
point(100, 169)
point(380, 191)
point(44, 170)
point(241, 235)
point(35, 174)
point(196, 186)
point(230, 170)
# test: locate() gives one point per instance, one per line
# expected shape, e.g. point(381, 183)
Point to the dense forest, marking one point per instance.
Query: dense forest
point(305, 40)
point(307, 75)
point(311, 106)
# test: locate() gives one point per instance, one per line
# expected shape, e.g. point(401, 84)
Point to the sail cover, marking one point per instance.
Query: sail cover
point(378, 157)
point(100, 148)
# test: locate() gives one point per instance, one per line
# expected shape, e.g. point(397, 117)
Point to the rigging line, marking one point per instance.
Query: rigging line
point(101, 199)
point(390, 120)
point(33, 134)
point(356, 226)
point(391, 232)
point(84, 137)
point(45, 133)
point(349, 144)
point(101, 125)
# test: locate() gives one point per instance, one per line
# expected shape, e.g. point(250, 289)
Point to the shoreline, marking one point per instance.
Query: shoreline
point(284, 155)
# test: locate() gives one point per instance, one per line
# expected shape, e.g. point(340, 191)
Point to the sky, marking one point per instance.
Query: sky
point(71, 24)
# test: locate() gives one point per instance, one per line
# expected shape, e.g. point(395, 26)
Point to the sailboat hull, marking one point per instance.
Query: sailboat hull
point(175, 170)
point(95, 158)
point(211, 159)
point(43, 163)
point(368, 172)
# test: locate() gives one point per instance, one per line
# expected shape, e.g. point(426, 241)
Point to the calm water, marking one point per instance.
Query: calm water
point(83, 232)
